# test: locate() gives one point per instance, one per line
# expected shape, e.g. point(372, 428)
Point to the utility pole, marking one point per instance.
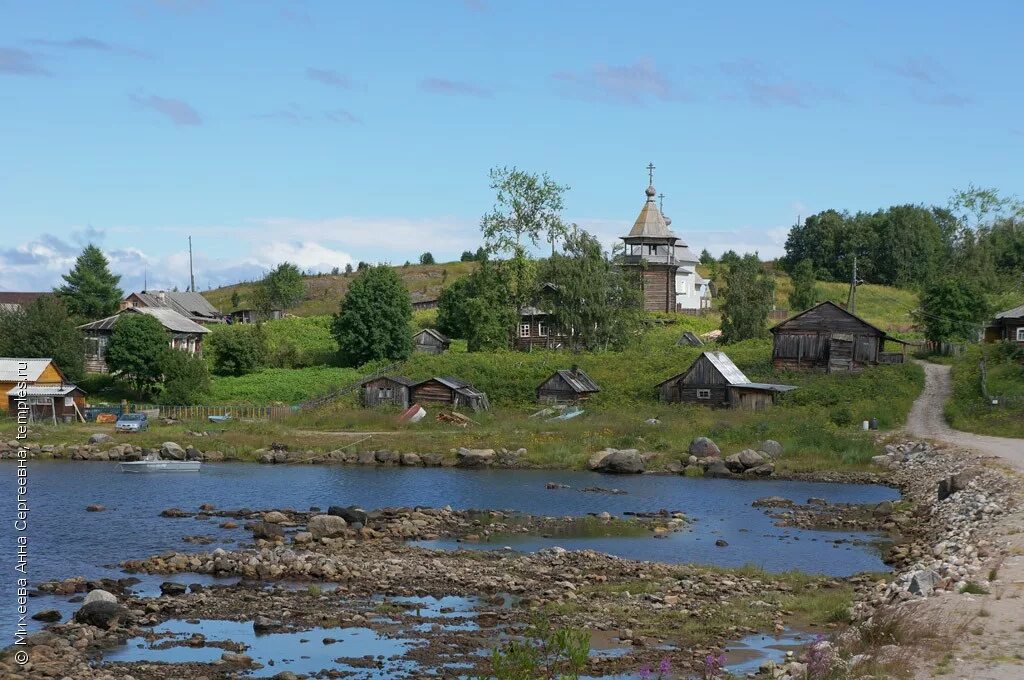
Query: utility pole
point(191, 273)
point(851, 300)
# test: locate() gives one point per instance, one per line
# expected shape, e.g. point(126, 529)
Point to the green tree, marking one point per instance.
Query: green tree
point(427, 258)
point(236, 299)
point(281, 288)
point(594, 303)
point(348, 269)
point(805, 289)
point(238, 349)
point(748, 299)
point(43, 329)
point(185, 378)
point(527, 208)
point(136, 351)
point(480, 255)
point(907, 246)
point(706, 257)
point(952, 309)
point(467, 256)
point(374, 319)
point(478, 308)
point(90, 290)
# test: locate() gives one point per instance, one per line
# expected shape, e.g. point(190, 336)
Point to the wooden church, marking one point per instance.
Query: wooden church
point(651, 248)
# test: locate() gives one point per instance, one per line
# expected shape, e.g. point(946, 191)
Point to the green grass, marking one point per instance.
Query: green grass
point(967, 409)
point(884, 306)
point(279, 385)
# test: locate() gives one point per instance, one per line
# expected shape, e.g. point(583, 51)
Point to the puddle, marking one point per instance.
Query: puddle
point(299, 652)
point(746, 655)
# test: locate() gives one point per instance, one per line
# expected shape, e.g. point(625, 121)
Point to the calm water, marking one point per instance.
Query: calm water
point(65, 540)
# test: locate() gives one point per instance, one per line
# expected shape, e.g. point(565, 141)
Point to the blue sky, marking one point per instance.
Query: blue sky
point(330, 132)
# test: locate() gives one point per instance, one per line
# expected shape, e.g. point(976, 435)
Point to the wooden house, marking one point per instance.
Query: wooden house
point(253, 315)
point(566, 386)
point(17, 302)
point(713, 379)
point(535, 331)
point(828, 337)
point(1007, 325)
point(191, 305)
point(448, 391)
point(182, 334)
point(386, 390)
point(42, 385)
point(430, 341)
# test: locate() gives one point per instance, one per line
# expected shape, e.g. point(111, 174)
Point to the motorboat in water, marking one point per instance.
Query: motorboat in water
point(153, 463)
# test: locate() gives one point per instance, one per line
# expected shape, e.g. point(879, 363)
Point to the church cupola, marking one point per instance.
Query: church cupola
point(650, 246)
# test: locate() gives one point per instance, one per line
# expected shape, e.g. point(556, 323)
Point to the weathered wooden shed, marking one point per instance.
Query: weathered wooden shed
point(829, 337)
point(566, 386)
point(430, 341)
point(449, 391)
point(1007, 325)
point(386, 390)
point(713, 379)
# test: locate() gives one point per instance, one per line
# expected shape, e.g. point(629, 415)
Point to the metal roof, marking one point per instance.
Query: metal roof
point(186, 303)
point(766, 387)
point(168, 318)
point(650, 223)
point(576, 379)
point(451, 382)
point(45, 390)
point(1015, 313)
point(732, 374)
point(10, 369)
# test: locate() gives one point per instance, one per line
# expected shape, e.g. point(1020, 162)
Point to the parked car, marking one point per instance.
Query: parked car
point(131, 422)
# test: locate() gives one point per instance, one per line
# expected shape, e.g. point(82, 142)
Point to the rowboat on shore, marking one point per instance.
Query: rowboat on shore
point(153, 463)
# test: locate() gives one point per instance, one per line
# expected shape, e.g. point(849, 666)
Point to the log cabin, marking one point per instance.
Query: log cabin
point(566, 386)
point(828, 337)
point(182, 334)
point(386, 390)
point(1008, 326)
point(448, 391)
point(430, 341)
point(714, 380)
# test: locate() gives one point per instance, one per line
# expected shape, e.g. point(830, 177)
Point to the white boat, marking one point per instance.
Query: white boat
point(156, 464)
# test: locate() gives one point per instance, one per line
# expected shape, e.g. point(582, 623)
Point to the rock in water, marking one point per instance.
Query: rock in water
point(772, 502)
point(267, 531)
point(275, 517)
point(626, 461)
point(595, 460)
point(172, 451)
point(326, 526)
point(702, 447)
point(101, 614)
point(352, 514)
point(171, 588)
point(99, 595)
point(262, 624)
point(47, 616)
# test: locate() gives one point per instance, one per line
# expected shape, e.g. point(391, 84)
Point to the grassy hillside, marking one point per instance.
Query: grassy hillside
point(323, 293)
point(886, 307)
point(968, 410)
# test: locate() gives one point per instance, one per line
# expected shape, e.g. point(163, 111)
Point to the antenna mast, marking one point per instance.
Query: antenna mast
point(191, 273)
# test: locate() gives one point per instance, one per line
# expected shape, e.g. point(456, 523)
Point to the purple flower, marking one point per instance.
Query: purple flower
point(664, 666)
point(645, 673)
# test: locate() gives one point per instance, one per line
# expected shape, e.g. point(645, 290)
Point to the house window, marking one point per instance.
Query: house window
point(542, 330)
point(524, 330)
point(703, 394)
point(1020, 334)
point(652, 250)
point(682, 287)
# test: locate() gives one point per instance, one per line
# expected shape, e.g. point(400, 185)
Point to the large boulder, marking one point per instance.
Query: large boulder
point(267, 531)
point(923, 582)
point(352, 514)
point(771, 447)
point(597, 458)
point(275, 517)
point(326, 526)
point(411, 459)
point(100, 438)
point(702, 447)
point(99, 595)
point(387, 457)
point(773, 502)
point(172, 451)
point(744, 460)
point(366, 458)
point(623, 462)
point(101, 614)
point(715, 467)
point(474, 457)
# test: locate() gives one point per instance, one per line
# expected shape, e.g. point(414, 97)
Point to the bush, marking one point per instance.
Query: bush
point(239, 349)
point(374, 319)
point(186, 380)
point(136, 350)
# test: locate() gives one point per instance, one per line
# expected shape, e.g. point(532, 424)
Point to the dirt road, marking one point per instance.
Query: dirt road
point(927, 420)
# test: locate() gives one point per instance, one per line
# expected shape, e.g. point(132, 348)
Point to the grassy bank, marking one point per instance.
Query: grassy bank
point(968, 410)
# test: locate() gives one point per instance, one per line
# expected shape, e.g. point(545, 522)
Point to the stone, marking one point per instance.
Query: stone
point(326, 526)
point(192, 453)
point(352, 514)
point(100, 438)
point(171, 588)
point(715, 467)
point(596, 459)
point(883, 509)
point(275, 517)
point(702, 447)
point(773, 502)
point(101, 614)
point(263, 624)
point(366, 458)
point(99, 595)
point(172, 451)
point(47, 616)
point(411, 459)
point(721, 543)
point(771, 447)
point(923, 582)
point(387, 457)
point(267, 531)
point(766, 470)
point(95, 507)
point(432, 459)
point(302, 537)
point(236, 659)
point(474, 457)
point(622, 462)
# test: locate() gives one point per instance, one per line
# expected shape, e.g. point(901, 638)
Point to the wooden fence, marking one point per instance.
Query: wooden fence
point(203, 412)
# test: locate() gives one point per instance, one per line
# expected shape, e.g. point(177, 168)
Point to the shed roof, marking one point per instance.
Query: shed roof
point(10, 369)
point(436, 333)
point(835, 307)
point(400, 379)
point(576, 379)
point(1015, 313)
point(734, 377)
point(61, 390)
point(186, 303)
point(168, 318)
point(19, 298)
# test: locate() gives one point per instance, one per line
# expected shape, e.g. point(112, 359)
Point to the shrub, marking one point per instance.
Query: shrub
point(237, 350)
point(186, 380)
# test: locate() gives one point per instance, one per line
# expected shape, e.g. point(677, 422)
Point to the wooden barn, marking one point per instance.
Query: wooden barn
point(566, 386)
point(713, 379)
point(48, 393)
point(386, 390)
point(430, 341)
point(828, 337)
point(448, 391)
point(1007, 325)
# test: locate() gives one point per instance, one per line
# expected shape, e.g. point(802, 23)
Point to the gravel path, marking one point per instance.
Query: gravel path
point(927, 420)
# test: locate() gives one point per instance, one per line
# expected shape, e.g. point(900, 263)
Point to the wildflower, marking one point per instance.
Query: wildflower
point(664, 666)
point(645, 673)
